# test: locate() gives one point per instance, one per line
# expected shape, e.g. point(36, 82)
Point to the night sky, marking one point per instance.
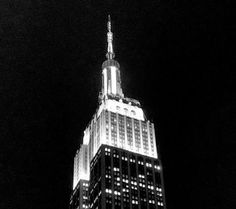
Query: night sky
point(176, 57)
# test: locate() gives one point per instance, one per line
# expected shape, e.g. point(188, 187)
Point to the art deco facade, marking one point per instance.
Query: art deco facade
point(118, 158)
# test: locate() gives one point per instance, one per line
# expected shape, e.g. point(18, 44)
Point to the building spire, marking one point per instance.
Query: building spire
point(110, 54)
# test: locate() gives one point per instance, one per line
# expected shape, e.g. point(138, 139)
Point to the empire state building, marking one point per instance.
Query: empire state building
point(117, 166)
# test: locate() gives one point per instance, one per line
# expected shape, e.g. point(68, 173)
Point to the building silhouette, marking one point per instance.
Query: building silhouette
point(117, 166)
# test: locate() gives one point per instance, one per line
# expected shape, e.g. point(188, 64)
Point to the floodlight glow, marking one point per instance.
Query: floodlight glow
point(105, 80)
point(113, 80)
point(81, 165)
point(119, 121)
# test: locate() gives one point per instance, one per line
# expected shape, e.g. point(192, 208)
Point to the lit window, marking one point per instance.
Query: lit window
point(159, 194)
point(108, 191)
point(160, 203)
point(116, 193)
point(149, 165)
point(157, 167)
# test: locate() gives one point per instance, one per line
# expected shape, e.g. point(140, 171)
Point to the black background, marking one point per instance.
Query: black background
point(176, 57)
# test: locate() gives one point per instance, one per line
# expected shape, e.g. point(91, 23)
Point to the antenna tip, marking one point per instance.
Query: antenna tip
point(109, 23)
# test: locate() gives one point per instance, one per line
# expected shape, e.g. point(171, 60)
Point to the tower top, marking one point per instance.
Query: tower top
point(110, 53)
point(111, 81)
point(109, 23)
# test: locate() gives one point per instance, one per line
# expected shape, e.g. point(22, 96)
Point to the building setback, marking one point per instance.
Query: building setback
point(117, 166)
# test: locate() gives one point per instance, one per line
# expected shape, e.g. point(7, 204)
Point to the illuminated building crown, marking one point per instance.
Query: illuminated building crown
point(118, 121)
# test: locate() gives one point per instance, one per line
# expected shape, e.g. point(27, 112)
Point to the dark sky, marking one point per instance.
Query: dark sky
point(176, 57)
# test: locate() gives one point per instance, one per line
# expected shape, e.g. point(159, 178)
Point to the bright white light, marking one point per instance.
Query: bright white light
point(124, 109)
point(105, 80)
point(113, 80)
point(94, 141)
point(81, 165)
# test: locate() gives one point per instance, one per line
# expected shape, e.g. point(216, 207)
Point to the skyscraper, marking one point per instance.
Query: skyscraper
point(117, 166)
